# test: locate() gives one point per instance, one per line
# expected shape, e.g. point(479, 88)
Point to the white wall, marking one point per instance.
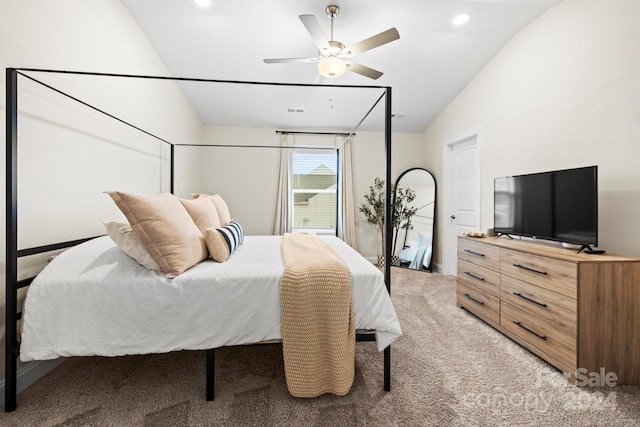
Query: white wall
point(60, 197)
point(247, 178)
point(236, 173)
point(368, 163)
point(563, 93)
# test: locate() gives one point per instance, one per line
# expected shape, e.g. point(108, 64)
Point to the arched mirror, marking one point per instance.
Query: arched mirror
point(414, 206)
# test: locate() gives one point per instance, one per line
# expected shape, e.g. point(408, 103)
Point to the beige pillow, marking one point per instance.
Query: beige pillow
point(203, 212)
point(221, 206)
point(128, 241)
point(165, 228)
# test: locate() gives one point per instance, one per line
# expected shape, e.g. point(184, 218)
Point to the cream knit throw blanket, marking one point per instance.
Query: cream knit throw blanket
point(318, 335)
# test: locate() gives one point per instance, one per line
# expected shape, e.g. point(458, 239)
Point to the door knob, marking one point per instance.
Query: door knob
point(452, 217)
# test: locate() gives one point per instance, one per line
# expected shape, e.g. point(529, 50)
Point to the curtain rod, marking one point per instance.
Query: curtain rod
point(291, 132)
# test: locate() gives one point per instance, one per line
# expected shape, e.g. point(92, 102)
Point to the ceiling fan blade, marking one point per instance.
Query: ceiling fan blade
point(364, 71)
point(372, 42)
point(318, 80)
point(313, 27)
point(289, 60)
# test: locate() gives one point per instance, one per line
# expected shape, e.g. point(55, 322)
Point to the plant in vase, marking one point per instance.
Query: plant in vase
point(373, 210)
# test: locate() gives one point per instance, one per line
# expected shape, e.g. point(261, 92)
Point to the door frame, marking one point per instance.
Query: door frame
point(449, 254)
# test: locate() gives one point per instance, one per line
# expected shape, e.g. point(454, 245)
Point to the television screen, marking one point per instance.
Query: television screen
point(557, 205)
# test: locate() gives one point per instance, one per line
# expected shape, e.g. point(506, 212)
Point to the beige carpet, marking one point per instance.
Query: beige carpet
point(447, 369)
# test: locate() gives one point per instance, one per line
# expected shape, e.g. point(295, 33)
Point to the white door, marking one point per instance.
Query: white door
point(462, 211)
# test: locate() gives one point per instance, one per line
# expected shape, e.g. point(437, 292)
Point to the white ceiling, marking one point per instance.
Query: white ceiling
point(427, 67)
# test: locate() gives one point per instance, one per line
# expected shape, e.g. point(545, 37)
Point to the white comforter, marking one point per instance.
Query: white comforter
point(95, 300)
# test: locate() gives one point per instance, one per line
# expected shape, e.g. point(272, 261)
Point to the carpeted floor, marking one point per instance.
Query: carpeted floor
point(448, 369)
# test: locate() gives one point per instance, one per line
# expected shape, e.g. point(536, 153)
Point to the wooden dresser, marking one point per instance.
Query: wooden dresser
point(572, 310)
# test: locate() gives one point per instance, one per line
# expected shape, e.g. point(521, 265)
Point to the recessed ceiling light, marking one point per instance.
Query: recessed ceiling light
point(203, 3)
point(461, 19)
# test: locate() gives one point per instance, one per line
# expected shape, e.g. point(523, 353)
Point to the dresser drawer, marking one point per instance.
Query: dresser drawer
point(549, 273)
point(560, 311)
point(544, 335)
point(480, 277)
point(479, 253)
point(480, 303)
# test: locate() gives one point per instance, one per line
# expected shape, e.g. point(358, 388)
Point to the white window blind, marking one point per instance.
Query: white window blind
point(314, 184)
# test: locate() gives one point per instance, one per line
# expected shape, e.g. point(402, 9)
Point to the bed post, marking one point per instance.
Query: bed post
point(171, 172)
point(11, 273)
point(211, 374)
point(339, 224)
point(388, 226)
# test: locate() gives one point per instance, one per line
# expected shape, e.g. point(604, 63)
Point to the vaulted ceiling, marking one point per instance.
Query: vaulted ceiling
point(427, 67)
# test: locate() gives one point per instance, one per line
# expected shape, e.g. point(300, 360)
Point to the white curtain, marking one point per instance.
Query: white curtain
point(283, 213)
point(346, 203)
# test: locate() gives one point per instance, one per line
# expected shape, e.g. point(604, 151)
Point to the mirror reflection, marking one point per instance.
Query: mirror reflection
point(414, 207)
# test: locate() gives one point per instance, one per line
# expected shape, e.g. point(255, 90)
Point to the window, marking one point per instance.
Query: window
point(314, 184)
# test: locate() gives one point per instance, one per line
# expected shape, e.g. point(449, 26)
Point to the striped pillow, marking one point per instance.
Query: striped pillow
point(222, 242)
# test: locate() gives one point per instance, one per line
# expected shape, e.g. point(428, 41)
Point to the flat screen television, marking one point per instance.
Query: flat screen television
point(559, 205)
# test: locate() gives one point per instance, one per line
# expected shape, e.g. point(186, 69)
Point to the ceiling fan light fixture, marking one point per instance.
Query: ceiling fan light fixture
point(331, 67)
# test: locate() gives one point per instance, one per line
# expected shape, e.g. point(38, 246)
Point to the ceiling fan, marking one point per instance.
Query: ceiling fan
point(334, 58)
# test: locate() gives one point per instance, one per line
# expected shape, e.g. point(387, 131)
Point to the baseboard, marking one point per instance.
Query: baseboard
point(32, 372)
point(437, 268)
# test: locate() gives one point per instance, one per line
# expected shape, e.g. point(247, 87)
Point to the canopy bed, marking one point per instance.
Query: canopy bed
point(106, 287)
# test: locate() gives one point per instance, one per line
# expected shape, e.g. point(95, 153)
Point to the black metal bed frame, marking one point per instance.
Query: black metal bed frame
point(12, 284)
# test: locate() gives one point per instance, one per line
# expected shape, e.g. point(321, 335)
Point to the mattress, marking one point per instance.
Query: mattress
point(95, 300)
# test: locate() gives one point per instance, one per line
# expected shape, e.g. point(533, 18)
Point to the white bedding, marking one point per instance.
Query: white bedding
point(418, 257)
point(95, 300)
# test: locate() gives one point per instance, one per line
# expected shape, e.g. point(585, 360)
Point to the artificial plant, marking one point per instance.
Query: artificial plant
point(373, 209)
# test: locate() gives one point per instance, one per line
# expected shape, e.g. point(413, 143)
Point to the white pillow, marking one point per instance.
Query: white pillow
point(426, 260)
point(425, 239)
point(128, 241)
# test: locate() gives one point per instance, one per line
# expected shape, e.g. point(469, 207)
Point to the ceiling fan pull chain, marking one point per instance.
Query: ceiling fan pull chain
point(331, 97)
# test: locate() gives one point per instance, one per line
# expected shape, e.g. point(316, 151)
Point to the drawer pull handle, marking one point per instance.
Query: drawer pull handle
point(530, 269)
point(473, 253)
point(474, 276)
point(477, 301)
point(518, 294)
point(542, 337)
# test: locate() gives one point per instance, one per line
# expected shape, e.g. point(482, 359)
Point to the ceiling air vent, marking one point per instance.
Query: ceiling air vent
point(295, 110)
